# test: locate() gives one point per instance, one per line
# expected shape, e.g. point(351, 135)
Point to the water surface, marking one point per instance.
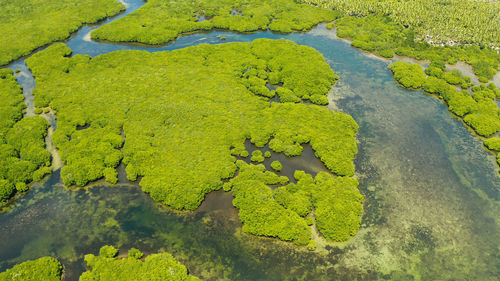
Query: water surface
point(431, 193)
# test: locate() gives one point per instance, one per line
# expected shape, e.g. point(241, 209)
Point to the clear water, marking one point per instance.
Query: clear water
point(431, 194)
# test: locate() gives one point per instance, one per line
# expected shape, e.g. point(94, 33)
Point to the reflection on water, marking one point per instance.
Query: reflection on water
point(431, 194)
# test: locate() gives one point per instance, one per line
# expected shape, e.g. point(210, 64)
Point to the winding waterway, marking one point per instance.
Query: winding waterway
point(431, 193)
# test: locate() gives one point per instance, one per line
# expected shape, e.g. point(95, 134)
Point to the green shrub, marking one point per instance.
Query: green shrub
point(162, 266)
point(493, 144)
point(111, 175)
point(276, 165)
point(438, 86)
point(453, 77)
point(338, 206)
point(21, 187)
point(40, 173)
point(484, 124)
point(461, 103)
point(46, 269)
point(311, 246)
point(287, 95)
point(434, 71)
point(409, 75)
point(319, 99)
point(108, 251)
point(295, 197)
point(135, 253)
point(257, 156)
point(6, 189)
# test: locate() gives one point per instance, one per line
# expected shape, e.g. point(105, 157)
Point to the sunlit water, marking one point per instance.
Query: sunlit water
point(431, 193)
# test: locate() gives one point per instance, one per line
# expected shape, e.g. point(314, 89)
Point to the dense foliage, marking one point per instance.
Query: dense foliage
point(281, 212)
point(478, 110)
point(23, 157)
point(160, 267)
point(276, 165)
point(380, 35)
point(185, 113)
point(46, 269)
point(409, 75)
point(160, 21)
point(156, 267)
point(463, 21)
point(108, 251)
point(28, 24)
point(493, 143)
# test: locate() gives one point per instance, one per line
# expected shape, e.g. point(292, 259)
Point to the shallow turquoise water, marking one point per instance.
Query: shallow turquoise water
point(431, 210)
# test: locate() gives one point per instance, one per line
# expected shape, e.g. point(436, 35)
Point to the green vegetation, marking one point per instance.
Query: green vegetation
point(477, 108)
point(156, 267)
point(462, 21)
point(108, 251)
point(105, 267)
point(257, 156)
point(161, 21)
point(281, 212)
point(493, 144)
point(23, 157)
point(46, 269)
point(276, 165)
point(338, 206)
point(380, 35)
point(28, 24)
point(135, 253)
point(185, 113)
point(409, 75)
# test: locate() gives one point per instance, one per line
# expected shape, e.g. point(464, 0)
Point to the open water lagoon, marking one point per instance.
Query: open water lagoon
point(431, 194)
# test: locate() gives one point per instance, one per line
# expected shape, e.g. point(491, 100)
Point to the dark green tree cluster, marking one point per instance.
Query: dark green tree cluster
point(185, 113)
point(105, 267)
point(46, 269)
point(156, 267)
point(28, 24)
point(257, 156)
point(494, 145)
point(276, 165)
point(23, 157)
point(477, 108)
point(382, 36)
point(161, 21)
point(461, 21)
point(453, 77)
point(336, 201)
point(409, 75)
